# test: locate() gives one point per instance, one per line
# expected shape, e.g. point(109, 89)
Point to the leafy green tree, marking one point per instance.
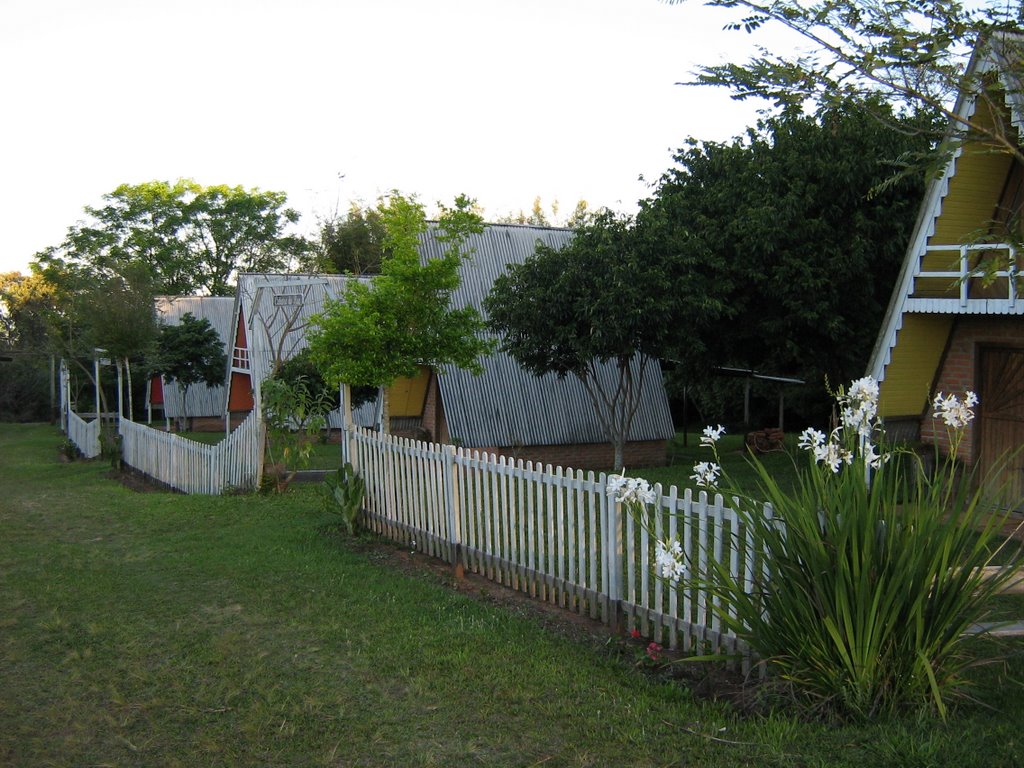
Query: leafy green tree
point(908, 54)
point(191, 239)
point(387, 328)
point(350, 244)
point(189, 353)
point(803, 236)
point(612, 295)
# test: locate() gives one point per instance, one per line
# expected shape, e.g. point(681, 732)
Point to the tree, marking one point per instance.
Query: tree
point(350, 244)
point(24, 353)
point(386, 328)
point(803, 244)
point(537, 216)
point(191, 239)
point(612, 295)
point(908, 54)
point(120, 319)
point(189, 353)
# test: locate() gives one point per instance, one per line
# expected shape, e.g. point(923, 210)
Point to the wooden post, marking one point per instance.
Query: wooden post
point(345, 398)
point(613, 560)
point(451, 504)
point(96, 381)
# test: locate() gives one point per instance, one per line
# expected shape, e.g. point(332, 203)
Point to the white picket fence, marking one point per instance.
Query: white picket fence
point(555, 534)
point(84, 434)
point(192, 467)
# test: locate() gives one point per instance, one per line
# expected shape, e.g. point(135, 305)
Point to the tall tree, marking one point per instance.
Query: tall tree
point(908, 54)
point(612, 295)
point(804, 231)
point(191, 239)
point(386, 328)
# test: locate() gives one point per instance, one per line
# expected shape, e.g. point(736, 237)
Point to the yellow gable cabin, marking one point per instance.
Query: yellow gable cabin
point(955, 321)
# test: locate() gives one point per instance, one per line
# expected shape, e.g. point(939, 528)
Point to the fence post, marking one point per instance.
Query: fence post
point(612, 557)
point(451, 507)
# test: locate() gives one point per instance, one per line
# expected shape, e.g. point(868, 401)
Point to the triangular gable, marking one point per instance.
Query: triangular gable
point(271, 316)
point(920, 328)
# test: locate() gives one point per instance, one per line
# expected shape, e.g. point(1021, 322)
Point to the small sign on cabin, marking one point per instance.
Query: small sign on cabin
point(288, 300)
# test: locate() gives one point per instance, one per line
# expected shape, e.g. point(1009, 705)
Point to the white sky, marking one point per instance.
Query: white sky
point(501, 99)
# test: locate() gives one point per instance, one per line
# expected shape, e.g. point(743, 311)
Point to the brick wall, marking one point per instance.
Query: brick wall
point(959, 369)
point(651, 453)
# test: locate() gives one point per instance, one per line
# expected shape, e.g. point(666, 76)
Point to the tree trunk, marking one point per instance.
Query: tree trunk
point(619, 447)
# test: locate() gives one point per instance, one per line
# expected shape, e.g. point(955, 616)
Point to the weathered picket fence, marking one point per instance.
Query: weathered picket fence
point(193, 467)
point(84, 434)
point(555, 534)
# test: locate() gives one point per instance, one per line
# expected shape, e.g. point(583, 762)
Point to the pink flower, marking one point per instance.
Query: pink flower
point(654, 651)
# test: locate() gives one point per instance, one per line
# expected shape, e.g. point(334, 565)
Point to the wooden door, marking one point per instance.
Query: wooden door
point(1001, 414)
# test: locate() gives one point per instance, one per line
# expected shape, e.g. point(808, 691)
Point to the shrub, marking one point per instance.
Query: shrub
point(343, 495)
point(873, 570)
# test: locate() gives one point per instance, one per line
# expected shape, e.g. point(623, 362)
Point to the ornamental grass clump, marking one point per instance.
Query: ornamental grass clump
point(873, 569)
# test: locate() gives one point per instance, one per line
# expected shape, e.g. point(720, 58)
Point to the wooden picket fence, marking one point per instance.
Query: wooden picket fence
point(84, 434)
point(192, 467)
point(555, 534)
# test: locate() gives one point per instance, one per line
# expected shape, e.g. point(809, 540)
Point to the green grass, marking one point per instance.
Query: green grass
point(734, 462)
point(163, 630)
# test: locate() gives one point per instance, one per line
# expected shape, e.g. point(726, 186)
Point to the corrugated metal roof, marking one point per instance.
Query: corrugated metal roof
point(508, 406)
point(200, 400)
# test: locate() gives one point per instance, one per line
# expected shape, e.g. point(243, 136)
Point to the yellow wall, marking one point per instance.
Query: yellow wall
point(967, 209)
point(915, 360)
point(406, 396)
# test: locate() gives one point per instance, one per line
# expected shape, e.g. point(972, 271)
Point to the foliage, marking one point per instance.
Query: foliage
point(873, 573)
point(24, 388)
point(907, 53)
point(343, 495)
point(538, 217)
point(351, 245)
point(189, 238)
point(403, 319)
point(301, 366)
point(25, 301)
point(119, 315)
point(295, 413)
point(613, 294)
point(190, 352)
point(787, 228)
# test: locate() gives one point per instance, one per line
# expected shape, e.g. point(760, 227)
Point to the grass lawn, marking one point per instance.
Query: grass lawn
point(155, 629)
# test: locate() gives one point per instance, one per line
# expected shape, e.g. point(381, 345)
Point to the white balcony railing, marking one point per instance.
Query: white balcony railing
point(980, 278)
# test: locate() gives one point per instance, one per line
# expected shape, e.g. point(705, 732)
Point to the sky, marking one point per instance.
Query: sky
point(331, 101)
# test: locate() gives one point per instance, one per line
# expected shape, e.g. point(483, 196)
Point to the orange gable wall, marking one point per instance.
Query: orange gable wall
point(240, 384)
